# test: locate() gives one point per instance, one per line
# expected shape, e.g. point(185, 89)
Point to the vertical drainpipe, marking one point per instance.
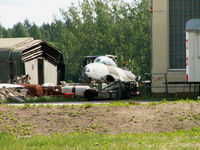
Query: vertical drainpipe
point(151, 16)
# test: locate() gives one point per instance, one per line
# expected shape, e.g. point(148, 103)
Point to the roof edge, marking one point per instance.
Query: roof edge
point(192, 25)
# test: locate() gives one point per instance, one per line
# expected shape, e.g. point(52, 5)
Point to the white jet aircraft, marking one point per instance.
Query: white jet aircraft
point(104, 69)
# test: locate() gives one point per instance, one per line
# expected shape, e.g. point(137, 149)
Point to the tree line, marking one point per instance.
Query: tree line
point(96, 27)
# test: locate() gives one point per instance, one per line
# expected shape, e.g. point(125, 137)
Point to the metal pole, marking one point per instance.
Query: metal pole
point(166, 86)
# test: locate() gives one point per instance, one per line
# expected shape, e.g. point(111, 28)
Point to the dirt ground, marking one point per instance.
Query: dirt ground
point(31, 120)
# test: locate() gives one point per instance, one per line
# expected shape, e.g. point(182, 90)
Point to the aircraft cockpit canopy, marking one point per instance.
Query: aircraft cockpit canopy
point(105, 60)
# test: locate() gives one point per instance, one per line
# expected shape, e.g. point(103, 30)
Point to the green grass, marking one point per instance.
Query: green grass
point(86, 141)
point(45, 99)
point(116, 103)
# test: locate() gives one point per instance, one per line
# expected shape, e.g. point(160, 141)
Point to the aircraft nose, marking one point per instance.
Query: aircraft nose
point(86, 77)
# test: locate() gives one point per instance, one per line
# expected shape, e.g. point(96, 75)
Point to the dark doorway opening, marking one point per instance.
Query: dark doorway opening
point(40, 71)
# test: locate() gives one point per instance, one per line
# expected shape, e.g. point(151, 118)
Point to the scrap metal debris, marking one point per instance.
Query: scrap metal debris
point(114, 90)
point(33, 90)
point(51, 90)
point(90, 93)
point(22, 79)
point(12, 92)
point(109, 80)
point(19, 92)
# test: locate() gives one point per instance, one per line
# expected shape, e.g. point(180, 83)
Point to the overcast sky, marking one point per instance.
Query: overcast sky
point(38, 11)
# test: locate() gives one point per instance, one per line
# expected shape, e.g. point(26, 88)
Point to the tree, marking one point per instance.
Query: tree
point(102, 27)
point(2, 30)
point(27, 24)
point(20, 31)
point(97, 27)
point(45, 31)
point(34, 31)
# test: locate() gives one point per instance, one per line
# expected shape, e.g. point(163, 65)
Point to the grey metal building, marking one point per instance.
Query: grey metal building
point(20, 56)
point(169, 18)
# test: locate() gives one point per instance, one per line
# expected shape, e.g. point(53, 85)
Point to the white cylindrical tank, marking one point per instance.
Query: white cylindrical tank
point(193, 50)
point(76, 89)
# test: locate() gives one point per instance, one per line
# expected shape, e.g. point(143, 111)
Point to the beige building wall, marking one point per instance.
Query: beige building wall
point(50, 73)
point(160, 51)
point(31, 68)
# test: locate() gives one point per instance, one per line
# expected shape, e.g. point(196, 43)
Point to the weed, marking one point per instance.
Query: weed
point(131, 119)
point(88, 105)
point(38, 111)
point(72, 114)
point(35, 114)
point(102, 114)
point(59, 112)
point(190, 114)
point(49, 112)
point(66, 107)
point(182, 118)
point(106, 130)
point(1, 113)
point(51, 129)
point(94, 126)
point(147, 119)
point(108, 109)
point(164, 101)
point(48, 119)
point(82, 112)
point(41, 105)
point(118, 104)
point(196, 116)
point(27, 106)
point(49, 106)
point(133, 103)
point(14, 119)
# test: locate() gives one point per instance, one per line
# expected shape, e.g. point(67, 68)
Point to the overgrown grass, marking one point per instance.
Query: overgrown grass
point(46, 99)
point(110, 104)
point(86, 141)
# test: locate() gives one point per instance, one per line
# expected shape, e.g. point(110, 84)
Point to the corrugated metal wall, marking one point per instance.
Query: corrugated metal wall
point(4, 66)
point(180, 11)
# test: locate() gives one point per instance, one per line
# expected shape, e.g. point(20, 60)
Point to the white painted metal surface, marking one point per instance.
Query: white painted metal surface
point(47, 84)
point(104, 67)
point(193, 56)
point(77, 90)
point(6, 85)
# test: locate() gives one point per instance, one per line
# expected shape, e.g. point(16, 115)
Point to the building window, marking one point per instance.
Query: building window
point(180, 11)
